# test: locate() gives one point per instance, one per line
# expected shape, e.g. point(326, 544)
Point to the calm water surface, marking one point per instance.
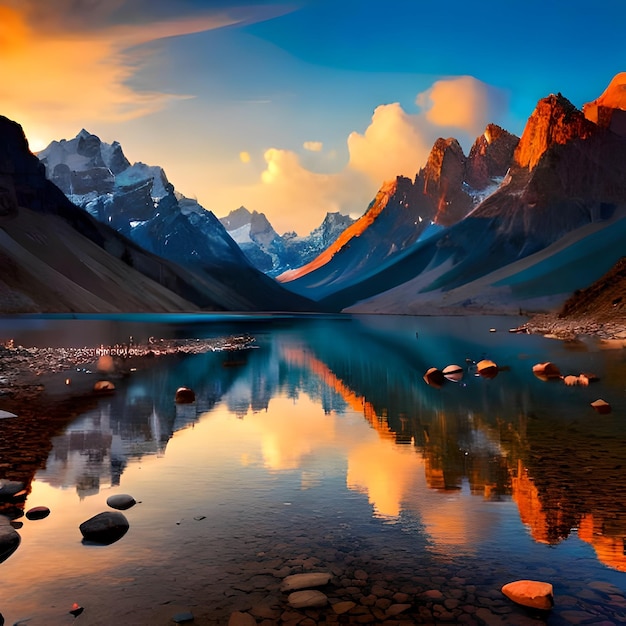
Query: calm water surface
point(323, 449)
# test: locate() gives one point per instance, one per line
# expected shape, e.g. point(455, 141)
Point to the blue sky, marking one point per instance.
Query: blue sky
point(295, 108)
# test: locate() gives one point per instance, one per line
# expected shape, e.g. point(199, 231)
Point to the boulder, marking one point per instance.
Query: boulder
point(9, 538)
point(306, 599)
point(305, 581)
point(104, 528)
point(531, 593)
point(121, 501)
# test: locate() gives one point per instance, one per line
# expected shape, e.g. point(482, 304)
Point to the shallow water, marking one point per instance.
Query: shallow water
point(323, 449)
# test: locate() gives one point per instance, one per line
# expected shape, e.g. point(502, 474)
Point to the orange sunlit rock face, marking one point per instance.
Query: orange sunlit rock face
point(554, 121)
point(609, 110)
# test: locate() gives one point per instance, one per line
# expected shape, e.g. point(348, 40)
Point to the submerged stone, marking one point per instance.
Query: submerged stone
point(304, 581)
point(306, 599)
point(531, 593)
point(238, 618)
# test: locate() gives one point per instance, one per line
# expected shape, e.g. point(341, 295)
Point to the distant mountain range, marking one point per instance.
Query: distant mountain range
point(273, 253)
point(517, 224)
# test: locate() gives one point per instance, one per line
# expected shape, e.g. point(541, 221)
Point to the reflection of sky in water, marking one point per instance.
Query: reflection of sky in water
point(331, 424)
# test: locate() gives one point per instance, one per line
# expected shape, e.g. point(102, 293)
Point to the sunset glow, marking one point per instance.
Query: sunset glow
point(183, 86)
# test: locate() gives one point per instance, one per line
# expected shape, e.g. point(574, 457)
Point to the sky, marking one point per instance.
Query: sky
point(295, 108)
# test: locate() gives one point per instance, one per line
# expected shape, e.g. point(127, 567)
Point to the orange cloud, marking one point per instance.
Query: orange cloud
point(393, 144)
point(296, 198)
point(463, 102)
point(52, 78)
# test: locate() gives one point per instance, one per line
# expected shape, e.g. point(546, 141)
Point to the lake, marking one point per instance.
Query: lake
point(321, 448)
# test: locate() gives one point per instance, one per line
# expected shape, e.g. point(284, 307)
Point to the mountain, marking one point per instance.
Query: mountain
point(406, 213)
point(139, 202)
point(57, 258)
point(555, 224)
point(274, 254)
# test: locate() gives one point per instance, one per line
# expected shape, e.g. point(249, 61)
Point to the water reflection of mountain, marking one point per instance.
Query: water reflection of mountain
point(496, 436)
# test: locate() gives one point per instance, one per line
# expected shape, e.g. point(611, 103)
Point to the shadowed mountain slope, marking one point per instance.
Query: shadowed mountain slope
point(57, 258)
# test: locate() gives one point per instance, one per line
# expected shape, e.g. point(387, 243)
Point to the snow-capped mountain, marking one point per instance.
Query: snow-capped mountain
point(274, 254)
point(57, 258)
point(138, 201)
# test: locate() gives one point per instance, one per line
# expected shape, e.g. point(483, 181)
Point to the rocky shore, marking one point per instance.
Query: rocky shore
point(568, 329)
point(23, 367)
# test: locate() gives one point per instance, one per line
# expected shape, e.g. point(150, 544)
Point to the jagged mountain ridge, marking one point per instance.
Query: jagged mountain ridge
point(405, 212)
point(555, 224)
point(138, 201)
point(274, 254)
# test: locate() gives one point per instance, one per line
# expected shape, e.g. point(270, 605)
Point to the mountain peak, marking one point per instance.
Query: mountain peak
point(609, 110)
point(555, 120)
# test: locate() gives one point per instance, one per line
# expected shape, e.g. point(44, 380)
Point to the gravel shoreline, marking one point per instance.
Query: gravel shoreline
point(23, 367)
point(550, 325)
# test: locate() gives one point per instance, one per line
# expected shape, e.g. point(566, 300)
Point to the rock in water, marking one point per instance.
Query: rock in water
point(304, 581)
point(37, 512)
point(9, 538)
point(104, 528)
point(184, 395)
point(531, 593)
point(307, 598)
point(121, 501)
